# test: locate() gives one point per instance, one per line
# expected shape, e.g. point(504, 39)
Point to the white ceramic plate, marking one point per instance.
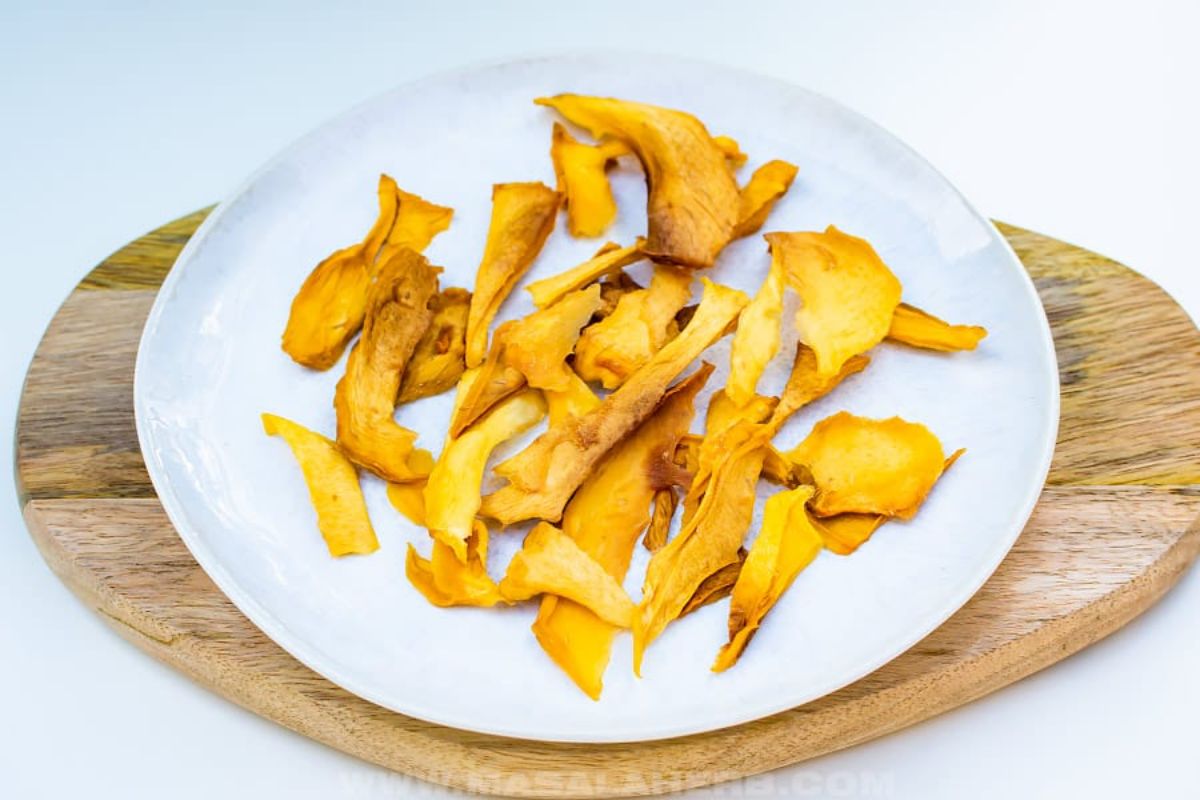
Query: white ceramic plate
point(210, 362)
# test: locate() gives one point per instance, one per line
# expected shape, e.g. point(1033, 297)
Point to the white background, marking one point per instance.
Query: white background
point(1080, 120)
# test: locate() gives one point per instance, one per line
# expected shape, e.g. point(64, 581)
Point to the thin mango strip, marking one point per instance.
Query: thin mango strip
point(756, 340)
point(785, 545)
point(605, 518)
point(445, 581)
point(365, 399)
point(452, 491)
point(582, 173)
point(608, 261)
point(610, 350)
point(439, 358)
point(756, 199)
point(848, 295)
point(666, 500)
point(693, 200)
point(717, 586)
point(480, 388)
point(550, 562)
point(523, 215)
point(917, 328)
point(806, 383)
point(332, 485)
point(543, 476)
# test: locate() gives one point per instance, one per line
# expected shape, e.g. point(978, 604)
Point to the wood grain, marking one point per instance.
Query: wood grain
point(1114, 529)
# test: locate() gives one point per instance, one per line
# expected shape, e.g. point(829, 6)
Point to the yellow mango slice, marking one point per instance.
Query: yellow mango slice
point(848, 295)
point(845, 533)
point(732, 150)
point(452, 491)
point(418, 221)
point(409, 500)
point(445, 581)
point(543, 476)
point(550, 562)
point(480, 388)
point(693, 199)
point(756, 340)
point(582, 173)
point(807, 383)
point(605, 518)
point(612, 349)
point(523, 215)
point(538, 345)
point(332, 485)
point(365, 400)
point(768, 183)
point(439, 358)
point(912, 326)
point(608, 261)
point(576, 400)
point(870, 466)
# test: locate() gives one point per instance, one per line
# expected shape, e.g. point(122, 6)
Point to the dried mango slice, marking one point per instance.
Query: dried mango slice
point(786, 544)
point(438, 360)
point(543, 476)
point(663, 511)
point(576, 400)
point(693, 200)
point(538, 345)
point(807, 383)
point(605, 518)
point(365, 400)
point(844, 533)
point(522, 217)
point(768, 183)
point(328, 310)
point(445, 581)
point(582, 173)
point(332, 485)
point(608, 261)
point(717, 586)
point(409, 500)
point(732, 150)
point(870, 466)
point(756, 340)
point(550, 562)
point(610, 350)
point(847, 293)
point(482, 387)
point(452, 491)
point(418, 221)
point(912, 326)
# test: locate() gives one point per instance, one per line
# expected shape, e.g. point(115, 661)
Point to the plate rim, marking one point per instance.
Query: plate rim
point(297, 648)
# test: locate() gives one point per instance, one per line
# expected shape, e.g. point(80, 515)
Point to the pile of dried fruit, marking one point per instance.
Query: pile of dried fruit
point(614, 467)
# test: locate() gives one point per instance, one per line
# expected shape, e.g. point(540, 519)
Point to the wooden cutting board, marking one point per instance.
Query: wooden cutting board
point(1114, 529)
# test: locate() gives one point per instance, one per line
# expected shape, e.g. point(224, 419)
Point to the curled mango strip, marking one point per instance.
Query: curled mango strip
point(768, 183)
point(665, 503)
point(605, 518)
point(365, 400)
point(409, 500)
point(786, 544)
point(452, 491)
point(538, 345)
point(608, 261)
point(848, 295)
point(582, 173)
point(438, 360)
point(418, 221)
point(445, 581)
point(543, 476)
point(332, 485)
point(610, 350)
point(522, 217)
point(328, 310)
point(717, 586)
point(693, 200)
point(844, 533)
point(482, 387)
point(550, 562)
point(869, 466)
point(732, 150)
point(912, 326)
point(756, 339)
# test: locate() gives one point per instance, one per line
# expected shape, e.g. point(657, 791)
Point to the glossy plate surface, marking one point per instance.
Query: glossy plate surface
point(210, 363)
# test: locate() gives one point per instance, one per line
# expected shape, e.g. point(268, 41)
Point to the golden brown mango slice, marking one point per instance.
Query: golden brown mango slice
point(605, 518)
point(613, 348)
point(543, 476)
point(480, 388)
point(523, 215)
point(666, 500)
point(768, 183)
point(582, 173)
point(608, 261)
point(807, 383)
point(870, 466)
point(848, 295)
point(452, 491)
point(756, 340)
point(538, 345)
point(332, 485)
point(717, 586)
point(445, 581)
point(418, 221)
point(365, 400)
point(785, 545)
point(439, 358)
point(845, 533)
point(693, 201)
point(550, 562)
point(328, 310)
point(409, 500)
point(912, 326)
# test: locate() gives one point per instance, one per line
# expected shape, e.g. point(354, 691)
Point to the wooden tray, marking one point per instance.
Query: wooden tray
point(1114, 529)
